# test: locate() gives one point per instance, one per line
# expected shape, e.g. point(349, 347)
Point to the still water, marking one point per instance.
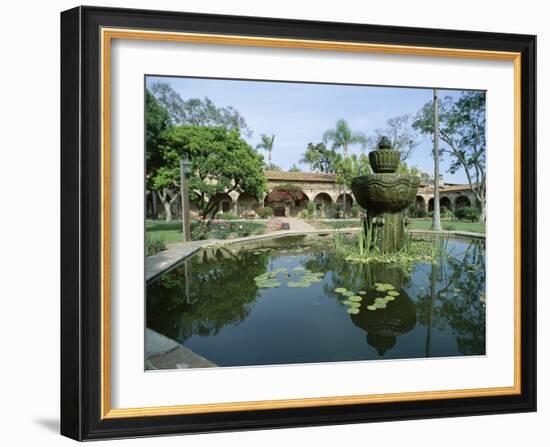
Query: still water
point(276, 302)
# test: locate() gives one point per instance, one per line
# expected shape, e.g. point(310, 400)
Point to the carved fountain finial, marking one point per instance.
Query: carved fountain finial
point(384, 143)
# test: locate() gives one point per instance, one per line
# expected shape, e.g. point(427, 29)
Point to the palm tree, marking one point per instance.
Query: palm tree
point(267, 145)
point(343, 137)
point(310, 156)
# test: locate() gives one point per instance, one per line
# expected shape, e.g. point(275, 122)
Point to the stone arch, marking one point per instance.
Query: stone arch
point(349, 203)
point(225, 203)
point(286, 200)
point(462, 202)
point(431, 204)
point(247, 203)
point(420, 203)
point(445, 202)
point(323, 203)
point(299, 205)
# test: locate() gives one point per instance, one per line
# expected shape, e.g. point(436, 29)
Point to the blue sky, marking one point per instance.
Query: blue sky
point(299, 113)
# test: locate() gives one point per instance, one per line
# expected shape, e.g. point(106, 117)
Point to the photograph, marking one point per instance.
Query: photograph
point(301, 222)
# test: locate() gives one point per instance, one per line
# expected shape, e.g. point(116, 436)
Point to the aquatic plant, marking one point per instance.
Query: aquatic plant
point(354, 250)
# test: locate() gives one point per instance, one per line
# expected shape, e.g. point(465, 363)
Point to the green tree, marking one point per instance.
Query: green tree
point(272, 167)
point(222, 162)
point(294, 168)
point(401, 134)
point(157, 121)
point(350, 167)
point(347, 168)
point(462, 130)
point(342, 137)
point(320, 159)
point(266, 144)
point(198, 112)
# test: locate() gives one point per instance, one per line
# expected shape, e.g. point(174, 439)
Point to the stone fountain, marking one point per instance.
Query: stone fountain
point(384, 195)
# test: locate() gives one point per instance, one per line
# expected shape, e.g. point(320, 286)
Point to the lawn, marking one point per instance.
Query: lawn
point(448, 225)
point(170, 232)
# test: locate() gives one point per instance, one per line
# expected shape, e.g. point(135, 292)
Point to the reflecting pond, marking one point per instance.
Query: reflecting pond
point(293, 300)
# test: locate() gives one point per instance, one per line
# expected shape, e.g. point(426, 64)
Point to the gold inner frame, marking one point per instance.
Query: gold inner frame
point(107, 35)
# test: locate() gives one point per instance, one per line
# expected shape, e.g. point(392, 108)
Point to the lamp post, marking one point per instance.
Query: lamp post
point(185, 170)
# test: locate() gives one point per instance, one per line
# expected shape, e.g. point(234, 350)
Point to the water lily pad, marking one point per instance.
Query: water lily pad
point(293, 284)
point(355, 305)
point(353, 311)
point(389, 298)
point(355, 298)
point(371, 307)
point(267, 284)
point(348, 293)
point(393, 293)
point(456, 289)
point(347, 302)
point(311, 279)
point(380, 305)
point(362, 292)
point(380, 300)
point(340, 290)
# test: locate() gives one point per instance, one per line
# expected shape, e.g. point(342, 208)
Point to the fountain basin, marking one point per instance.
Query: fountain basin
point(385, 192)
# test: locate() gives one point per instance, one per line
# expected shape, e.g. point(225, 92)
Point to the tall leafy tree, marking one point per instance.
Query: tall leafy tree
point(222, 162)
point(401, 134)
point(197, 111)
point(342, 137)
point(320, 159)
point(266, 144)
point(157, 121)
point(353, 166)
point(462, 132)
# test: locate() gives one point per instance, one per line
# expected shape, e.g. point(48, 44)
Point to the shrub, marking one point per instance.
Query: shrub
point(309, 211)
point(467, 213)
point(355, 210)
point(248, 214)
point(420, 212)
point(265, 212)
point(445, 212)
point(155, 246)
point(227, 216)
point(243, 231)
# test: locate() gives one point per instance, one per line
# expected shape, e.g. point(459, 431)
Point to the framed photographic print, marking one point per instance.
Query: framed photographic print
point(277, 223)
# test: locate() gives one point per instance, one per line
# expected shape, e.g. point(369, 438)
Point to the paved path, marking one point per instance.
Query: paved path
point(297, 224)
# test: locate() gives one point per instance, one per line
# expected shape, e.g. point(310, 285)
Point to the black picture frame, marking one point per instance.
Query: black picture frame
point(81, 223)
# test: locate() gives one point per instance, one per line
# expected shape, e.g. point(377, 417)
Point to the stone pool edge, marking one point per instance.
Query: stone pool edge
point(175, 253)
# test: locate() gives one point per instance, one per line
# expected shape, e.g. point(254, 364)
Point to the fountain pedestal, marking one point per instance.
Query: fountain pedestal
point(384, 195)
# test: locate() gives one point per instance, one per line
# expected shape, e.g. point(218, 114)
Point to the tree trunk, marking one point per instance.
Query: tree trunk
point(436, 222)
point(166, 201)
point(167, 211)
point(482, 213)
point(155, 204)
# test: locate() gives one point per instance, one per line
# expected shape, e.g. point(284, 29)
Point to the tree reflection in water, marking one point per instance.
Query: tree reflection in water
point(213, 304)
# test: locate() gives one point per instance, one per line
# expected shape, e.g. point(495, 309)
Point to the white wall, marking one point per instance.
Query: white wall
point(29, 178)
